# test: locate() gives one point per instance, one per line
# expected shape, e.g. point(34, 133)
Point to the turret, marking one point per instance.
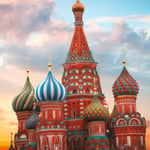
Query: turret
point(79, 71)
point(51, 130)
point(97, 115)
point(127, 126)
point(23, 106)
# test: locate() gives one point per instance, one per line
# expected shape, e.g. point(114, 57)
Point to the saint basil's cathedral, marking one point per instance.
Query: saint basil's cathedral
point(74, 115)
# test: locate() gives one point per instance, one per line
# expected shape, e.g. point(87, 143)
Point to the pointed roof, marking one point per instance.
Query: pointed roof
point(79, 49)
point(11, 143)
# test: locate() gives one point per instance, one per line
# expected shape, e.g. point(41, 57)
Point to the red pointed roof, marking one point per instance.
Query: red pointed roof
point(79, 49)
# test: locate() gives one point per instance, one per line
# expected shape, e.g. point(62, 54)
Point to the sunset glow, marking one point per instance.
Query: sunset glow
point(33, 29)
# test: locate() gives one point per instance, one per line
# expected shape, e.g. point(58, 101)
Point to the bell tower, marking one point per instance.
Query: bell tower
point(79, 72)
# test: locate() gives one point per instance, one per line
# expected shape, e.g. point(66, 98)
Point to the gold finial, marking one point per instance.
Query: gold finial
point(49, 64)
point(95, 90)
point(34, 105)
point(124, 62)
point(27, 67)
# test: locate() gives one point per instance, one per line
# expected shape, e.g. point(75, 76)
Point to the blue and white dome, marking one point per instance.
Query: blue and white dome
point(50, 90)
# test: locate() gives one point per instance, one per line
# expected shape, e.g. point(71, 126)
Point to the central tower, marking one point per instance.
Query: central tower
point(79, 72)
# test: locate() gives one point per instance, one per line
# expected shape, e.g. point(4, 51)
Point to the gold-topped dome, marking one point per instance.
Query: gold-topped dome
point(78, 6)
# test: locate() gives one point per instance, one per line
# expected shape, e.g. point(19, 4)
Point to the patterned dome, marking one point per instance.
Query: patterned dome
point(24, 100)
point(78, 6)
point(125, 84)
point(50, 90)
point(32, 121)
point(96, 111)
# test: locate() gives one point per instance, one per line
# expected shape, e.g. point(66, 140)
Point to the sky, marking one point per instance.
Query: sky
point(33, 29)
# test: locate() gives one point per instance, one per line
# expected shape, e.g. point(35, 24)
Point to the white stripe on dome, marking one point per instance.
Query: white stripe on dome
point(28, 100)
point(39, 90)
point(45, 92)
point(52, 89)
point(18, 103)
point(59, 90)
point(64, 93)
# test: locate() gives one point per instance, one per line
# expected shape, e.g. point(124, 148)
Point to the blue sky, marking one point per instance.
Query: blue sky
point(32, 29)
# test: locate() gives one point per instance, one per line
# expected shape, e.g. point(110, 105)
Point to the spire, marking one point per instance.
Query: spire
point(95, 90)
point(11, 142)
point(49, 64)
point(124, 61)
point(11, 137)
point(27, 71)
point(34, 105)
point(79, 49)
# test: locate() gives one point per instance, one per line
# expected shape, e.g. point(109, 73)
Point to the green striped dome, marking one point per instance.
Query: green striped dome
point(32, 121)
point(96, 111)
point(125, 84)
point(24, 100)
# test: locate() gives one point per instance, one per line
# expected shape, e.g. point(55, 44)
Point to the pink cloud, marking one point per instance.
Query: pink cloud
point(1, 111)
point(13, 123)
point(2, 118)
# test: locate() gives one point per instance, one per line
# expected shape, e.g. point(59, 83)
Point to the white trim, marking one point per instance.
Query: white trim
point(54, 114)
point(117, 141)
point(131, 108)
point(142, 141)
point(129, 140)
point(65, 104)
point(131, 134)
point(136, 120)
point(123, 109)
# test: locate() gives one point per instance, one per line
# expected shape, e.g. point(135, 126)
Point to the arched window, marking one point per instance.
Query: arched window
point(45, 143)
point(73, 144)
point(74, 91)
point(87, 91)
point(79, 144)
point(57, 143)
point(74, 112)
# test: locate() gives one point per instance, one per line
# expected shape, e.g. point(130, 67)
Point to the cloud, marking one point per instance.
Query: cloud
point(1, 111)
point(11, 123)
point(135, 18)
point(1, 114)
point(20, 18)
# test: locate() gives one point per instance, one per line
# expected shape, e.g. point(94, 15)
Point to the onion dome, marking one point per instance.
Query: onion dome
point(125, 84)
point(50, 89)
point(96, 111)
point(32, 121)
point(78, 6)
point(24, 100)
